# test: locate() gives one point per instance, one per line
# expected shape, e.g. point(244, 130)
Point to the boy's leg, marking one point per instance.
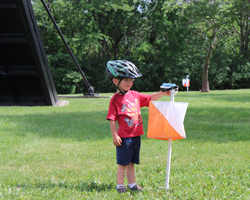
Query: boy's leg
point(120, 178)
point(131, 178)
point(130, 173)
point(134, 160)
point(120, 174)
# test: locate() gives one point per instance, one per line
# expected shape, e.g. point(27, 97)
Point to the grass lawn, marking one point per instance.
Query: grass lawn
point(67, 152)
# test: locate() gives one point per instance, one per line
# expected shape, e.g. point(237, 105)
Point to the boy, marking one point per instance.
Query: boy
point(124, 107)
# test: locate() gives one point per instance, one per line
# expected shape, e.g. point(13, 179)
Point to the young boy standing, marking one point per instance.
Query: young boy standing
point(124, 108)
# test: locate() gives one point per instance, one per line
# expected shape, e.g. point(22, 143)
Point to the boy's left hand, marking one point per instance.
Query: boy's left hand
point(158, 95)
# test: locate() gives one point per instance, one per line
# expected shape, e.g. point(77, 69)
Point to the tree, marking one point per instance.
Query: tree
point(166, 39)
point(240, 11)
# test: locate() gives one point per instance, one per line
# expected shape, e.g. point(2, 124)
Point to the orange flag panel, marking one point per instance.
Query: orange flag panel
point(159, 126)
point(165, 120)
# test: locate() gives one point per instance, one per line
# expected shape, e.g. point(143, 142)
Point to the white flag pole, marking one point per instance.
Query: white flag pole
point(169, 150)
point(187, 82)
point(168, 163)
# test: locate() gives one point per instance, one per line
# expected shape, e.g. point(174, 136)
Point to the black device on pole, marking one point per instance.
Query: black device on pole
point(90, 88)
point(25, 77)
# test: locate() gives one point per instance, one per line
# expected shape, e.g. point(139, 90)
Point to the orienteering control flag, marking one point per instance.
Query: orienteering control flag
point(186, 82)
point(165, 120)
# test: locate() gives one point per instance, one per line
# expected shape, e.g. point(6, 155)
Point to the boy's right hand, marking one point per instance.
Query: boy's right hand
point(117, 140)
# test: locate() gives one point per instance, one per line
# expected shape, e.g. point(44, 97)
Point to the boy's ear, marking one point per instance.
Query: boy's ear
point(115, 81)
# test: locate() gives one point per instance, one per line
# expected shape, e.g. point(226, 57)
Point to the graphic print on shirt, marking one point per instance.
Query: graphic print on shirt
point(131, 110)
point(130, 122)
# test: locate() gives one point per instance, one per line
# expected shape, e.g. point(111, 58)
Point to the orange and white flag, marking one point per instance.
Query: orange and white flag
point(186, 82)
point(165, 120)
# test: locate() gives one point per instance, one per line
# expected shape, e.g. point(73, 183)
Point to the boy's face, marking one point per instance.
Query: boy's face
point(125, 84)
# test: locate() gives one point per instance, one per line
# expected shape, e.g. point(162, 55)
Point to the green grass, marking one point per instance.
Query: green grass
point(67, 152)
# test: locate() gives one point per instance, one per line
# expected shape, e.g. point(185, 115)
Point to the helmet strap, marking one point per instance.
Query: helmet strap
point(123, 93)
point(117, 86)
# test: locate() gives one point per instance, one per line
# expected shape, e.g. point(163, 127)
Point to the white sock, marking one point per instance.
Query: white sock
point(131, 185)
point(119, 186)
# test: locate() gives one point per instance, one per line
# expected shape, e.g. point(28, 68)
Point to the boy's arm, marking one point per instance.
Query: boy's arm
point(116, 139)
point(158, 95)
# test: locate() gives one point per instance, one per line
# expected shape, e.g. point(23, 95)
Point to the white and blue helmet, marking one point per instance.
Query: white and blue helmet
point(121, 69)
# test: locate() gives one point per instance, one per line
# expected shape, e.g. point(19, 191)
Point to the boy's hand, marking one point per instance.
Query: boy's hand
point(168, 93)
point(117, 140)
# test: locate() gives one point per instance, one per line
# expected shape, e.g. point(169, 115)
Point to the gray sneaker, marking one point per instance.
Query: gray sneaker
point(121, 189)
point(136, 188)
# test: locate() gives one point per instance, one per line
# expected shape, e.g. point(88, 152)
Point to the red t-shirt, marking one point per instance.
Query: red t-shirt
point(126, 110)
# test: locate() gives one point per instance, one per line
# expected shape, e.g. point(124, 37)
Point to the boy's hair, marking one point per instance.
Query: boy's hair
point(121, 69)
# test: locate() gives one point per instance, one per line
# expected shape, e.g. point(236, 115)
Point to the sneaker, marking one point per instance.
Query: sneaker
point(136, 188)
point(121, 189)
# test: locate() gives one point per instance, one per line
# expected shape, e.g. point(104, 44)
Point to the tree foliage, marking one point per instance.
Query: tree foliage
point(166, 39)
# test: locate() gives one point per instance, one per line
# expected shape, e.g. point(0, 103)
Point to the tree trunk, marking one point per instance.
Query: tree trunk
point(205, 82)
point(243, 23)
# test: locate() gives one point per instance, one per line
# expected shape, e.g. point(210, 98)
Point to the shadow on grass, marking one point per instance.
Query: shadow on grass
point(218, 124)
point(241, 97)
point(82, 186)
point(215, 124)
point(201, 124)
point(74, 125)
point(231, 98)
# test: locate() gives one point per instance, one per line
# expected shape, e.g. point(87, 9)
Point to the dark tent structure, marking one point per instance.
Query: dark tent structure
point(25, 77)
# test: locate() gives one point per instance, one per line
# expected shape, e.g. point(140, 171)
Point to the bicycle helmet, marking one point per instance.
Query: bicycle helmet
point(121, 69)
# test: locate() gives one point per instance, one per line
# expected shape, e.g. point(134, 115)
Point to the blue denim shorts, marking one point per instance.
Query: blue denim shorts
point(129, 151)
